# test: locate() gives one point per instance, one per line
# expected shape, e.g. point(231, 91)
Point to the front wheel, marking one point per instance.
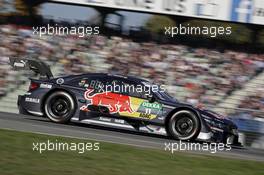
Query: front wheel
point(184, 125)
point(59, 107)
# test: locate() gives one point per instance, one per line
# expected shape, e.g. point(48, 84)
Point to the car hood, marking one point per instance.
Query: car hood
point(217, 117)
point(203, 112)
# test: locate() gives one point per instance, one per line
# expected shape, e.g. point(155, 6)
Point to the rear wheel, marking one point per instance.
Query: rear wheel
point(59, 107)
point(184, 125)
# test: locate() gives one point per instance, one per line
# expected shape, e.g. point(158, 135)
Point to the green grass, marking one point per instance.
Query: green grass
point(18, 158)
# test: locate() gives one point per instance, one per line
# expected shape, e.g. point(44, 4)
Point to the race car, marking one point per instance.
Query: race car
point(122, 102)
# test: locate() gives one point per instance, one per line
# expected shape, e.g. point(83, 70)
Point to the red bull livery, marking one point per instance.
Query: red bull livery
point(113, 101)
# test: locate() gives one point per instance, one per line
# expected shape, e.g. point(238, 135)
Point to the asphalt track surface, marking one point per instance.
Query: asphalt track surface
point(43, 126)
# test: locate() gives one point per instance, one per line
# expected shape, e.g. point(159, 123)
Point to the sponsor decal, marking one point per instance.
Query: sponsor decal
point(145, 115)
point(119, 121)
point(45, 86)
point(247, 11)
point(94, 84)
point(114, 102)
point(259, 11)
point(82, 83)
point(161, 118)
point(122, 105)
point(32, 100)
point(149, 110)
point(151, 105)
point(207, 8)
point(106, 119)
point(242, 10)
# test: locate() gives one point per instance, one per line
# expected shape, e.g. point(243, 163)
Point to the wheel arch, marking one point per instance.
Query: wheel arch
point(180, 109)
point(56, 90)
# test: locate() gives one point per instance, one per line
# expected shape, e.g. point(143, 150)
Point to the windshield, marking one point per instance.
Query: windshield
point(164, 95)
point(159, 91)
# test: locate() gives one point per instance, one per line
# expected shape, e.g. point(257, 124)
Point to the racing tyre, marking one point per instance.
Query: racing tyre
point(184, 125)
point(59, 107)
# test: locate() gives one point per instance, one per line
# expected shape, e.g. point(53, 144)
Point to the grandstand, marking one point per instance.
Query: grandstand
point(198, 76)
point(229, 79)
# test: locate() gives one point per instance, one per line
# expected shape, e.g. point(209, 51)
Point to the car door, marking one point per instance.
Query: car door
point(143, 107)
point(130, 100)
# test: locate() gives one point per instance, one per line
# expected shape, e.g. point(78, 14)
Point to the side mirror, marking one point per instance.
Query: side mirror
point(151, 98)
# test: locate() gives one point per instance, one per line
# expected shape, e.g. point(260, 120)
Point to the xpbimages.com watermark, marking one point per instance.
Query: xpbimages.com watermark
point(80, 147)
point(188, 146)
point(80, 31)
point(212, 31)
point(117, 87)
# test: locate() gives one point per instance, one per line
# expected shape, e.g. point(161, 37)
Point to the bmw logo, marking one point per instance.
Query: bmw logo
point(60, 81)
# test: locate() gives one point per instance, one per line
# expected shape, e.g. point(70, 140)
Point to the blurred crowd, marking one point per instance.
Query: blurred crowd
point(255, 102)
point(199, 75)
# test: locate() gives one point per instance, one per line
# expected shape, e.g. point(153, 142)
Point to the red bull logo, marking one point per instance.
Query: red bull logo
point(114, 102)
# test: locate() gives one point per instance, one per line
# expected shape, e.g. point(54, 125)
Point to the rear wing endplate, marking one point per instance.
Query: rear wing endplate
point(37, 66)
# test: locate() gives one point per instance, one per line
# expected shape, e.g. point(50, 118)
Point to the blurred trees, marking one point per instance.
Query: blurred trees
point(261, 37)
point(5, 7)
point(19, 7)
point(26, 8)
point(156, 23)
point(240, 33)
point(2, 6)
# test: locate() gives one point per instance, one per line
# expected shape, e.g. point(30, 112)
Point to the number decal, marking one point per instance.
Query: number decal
point(148, 111)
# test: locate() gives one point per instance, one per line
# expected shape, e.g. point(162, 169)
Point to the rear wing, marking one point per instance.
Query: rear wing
point(37, 66)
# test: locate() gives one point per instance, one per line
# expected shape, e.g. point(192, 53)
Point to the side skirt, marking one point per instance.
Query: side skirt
point(122, 124)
